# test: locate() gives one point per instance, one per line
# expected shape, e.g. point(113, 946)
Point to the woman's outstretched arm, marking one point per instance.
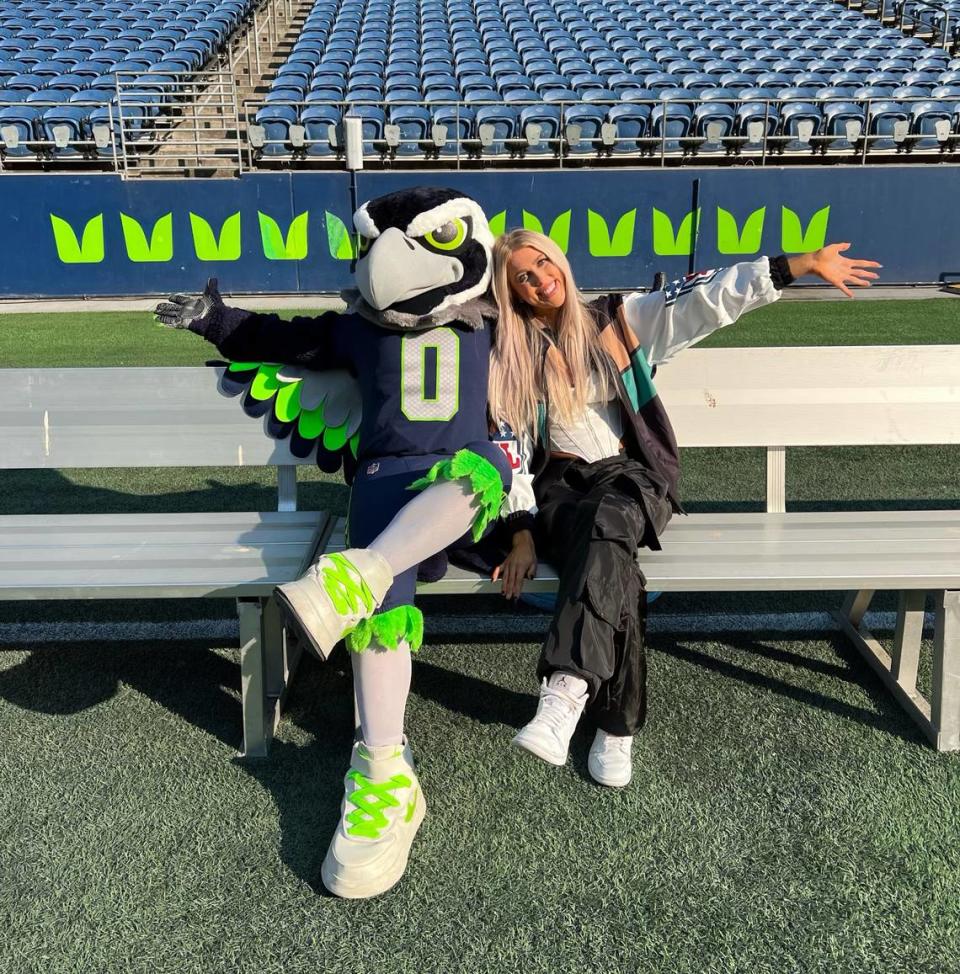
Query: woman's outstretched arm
point(686, 311)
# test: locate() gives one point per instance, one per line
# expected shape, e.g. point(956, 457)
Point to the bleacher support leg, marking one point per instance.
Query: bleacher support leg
point(257, 728)
point(945, 702)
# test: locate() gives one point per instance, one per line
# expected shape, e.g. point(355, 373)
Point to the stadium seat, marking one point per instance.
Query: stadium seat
point(495, 124)
point(932, 125)
point(408, 129)
point(888, 126)
point(583, 126)
point(63, 127)
point(457, 125)
point(372, 126)
point(714, 121)
point(18, 130)
point(631, 123)
point(276, 120)
point(321, 125)
point(540, 127)
point(757, 120)
point(800, 120)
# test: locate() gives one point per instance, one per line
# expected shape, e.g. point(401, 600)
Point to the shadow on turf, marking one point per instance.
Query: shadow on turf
point(304, 779)
point(885, 716)
point(50, 492)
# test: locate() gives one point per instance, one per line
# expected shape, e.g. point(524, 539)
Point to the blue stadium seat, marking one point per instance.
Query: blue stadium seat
point(458, 123)
point(921, 79)
point(18, 130)
point(372, 127)
point(699, 82)
point(63, 127)
point(276, 121)
point(632, 124)
point(561, 96)
point(888, 126)
point(25, 82)
point(598, 96)
point(758, 117)
point(582, 128)
point(411, 125)
point(670, 121)
point(932, 125)
point(495, 124)
point(521, 96)
point(540, 126)
point(714, 121)
point(321, 124)
point(800, 119)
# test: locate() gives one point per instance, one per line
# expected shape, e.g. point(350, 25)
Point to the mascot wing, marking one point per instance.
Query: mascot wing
point(312, 410)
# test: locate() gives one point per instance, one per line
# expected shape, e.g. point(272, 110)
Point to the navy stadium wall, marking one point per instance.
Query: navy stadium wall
point(273, 233)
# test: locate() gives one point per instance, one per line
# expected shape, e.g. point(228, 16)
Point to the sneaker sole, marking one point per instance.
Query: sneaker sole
point(609, 782)
point(537, 750)
point(301, 612)
point(379, 884)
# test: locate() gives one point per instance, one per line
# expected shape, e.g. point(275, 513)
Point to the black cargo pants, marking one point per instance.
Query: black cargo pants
point(592, 517)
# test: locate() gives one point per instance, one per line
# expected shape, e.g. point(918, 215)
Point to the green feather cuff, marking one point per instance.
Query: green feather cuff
point(405, 622)
point(484, 481)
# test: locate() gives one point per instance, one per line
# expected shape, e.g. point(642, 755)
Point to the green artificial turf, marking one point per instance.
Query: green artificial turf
point(131, 338)
point(99, 338)
point(786, 815)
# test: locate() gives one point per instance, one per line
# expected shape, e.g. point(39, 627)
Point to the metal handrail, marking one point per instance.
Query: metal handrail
point(736, 141)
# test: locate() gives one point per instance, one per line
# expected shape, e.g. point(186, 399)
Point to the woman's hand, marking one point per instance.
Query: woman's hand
point(521, 563)
point(829, 265)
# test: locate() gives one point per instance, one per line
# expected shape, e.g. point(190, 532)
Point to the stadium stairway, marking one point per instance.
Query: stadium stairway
point(203, 139)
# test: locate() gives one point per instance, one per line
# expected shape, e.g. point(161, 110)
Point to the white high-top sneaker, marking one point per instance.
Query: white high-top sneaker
point(548, 734)
point(609, 761)
point(334, 594)
point(382, 809)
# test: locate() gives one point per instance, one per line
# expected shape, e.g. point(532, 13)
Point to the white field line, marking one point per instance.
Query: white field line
point(505, 626)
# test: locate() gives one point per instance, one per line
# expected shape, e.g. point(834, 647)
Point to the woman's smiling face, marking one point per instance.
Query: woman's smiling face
point(536, 281)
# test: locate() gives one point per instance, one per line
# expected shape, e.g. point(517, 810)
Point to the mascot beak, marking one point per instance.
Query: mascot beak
point(396, 269)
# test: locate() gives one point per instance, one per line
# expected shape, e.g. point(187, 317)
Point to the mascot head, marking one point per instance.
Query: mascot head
point(423, 252)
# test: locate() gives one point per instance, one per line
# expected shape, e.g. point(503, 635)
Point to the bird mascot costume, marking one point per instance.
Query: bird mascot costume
point(397, 383)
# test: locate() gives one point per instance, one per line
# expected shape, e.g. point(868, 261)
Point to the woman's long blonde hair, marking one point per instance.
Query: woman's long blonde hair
point(521, 373)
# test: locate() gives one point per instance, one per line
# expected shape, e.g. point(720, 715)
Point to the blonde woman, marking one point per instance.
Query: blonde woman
point(573, 379)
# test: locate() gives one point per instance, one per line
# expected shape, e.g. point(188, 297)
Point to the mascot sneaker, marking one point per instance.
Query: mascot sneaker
point(382, 809)
point(548, 734)
point(609, 761)
point(335, 594)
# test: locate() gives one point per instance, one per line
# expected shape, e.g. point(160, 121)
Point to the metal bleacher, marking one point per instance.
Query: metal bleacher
point(632, 80)
point(65, 68)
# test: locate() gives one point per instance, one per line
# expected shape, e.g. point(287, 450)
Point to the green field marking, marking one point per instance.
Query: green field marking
point(796, 240)
point(559, 229)
point(208, 246)
point(666, 242)
point(296, 243)
point(159, 248)
point(732, 240)
point(498, 223)
point(604, 244)
point(339, 239)
point(71, 250)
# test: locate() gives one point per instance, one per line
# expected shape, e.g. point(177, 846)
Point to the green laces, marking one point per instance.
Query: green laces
point(370, 799)
point(344, 584)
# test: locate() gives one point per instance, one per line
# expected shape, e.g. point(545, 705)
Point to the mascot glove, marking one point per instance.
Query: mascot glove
point(182, 310)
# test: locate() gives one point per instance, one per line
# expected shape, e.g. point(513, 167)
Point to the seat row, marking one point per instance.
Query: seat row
point(795, 120)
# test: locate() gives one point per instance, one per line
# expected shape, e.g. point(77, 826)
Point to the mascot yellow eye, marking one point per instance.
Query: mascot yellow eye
point(363, 244)
point(447, 237)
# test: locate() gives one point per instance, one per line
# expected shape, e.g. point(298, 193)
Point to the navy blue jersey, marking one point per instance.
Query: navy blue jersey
point(423, 391)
